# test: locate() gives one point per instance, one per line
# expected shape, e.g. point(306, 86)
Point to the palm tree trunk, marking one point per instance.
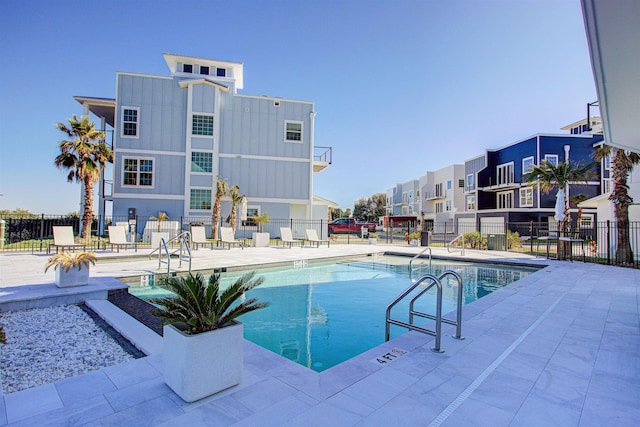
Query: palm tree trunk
point(233, 216)
point(624, 254)
point(215, 218)
point(87, 215)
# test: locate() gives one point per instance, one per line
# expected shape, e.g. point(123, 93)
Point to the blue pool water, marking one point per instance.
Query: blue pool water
point(323, 314)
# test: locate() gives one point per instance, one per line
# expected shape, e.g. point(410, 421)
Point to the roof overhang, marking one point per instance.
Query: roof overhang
point(100, 107)
point(187, 83)
point(172, 61)
point(317, 200)
point(613, 35)
point(594, 201)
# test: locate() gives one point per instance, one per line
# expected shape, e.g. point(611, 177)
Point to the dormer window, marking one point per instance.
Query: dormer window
point(187, 68)
point(221, 72)
point(204, 70)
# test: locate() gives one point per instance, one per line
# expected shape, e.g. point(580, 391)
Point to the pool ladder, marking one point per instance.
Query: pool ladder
point(411, 269)
point(437, 333)
point(184, 252)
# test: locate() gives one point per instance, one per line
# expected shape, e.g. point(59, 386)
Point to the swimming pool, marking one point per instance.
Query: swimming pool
point(322, 314)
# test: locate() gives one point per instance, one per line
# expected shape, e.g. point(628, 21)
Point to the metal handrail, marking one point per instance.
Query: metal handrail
point(438, 317)
point(458, 322)
point(416, 257)
point(460, 236)
point(184, 239)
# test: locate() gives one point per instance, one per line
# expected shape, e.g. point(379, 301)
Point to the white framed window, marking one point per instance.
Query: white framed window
point(417, 194)
point(130, 122)
point(221, 72)
point(551, 158)
point(449, 185)
point(447, 205)
point(137, 172)
point(439, 207)
point(292, 131)
point(586, 221)
point(202, 124)
point(252, 212)
point(200, 199)
point(607, 185)
point(201, 162)
point(607, 163)
point(470, 182)
point(204, 70)
point(471, 203)
point(526, 197)
point(505, 200)
point(504, 173)
point(187, 68)
point(405, 197)
point(439, 191)
point(527, 164)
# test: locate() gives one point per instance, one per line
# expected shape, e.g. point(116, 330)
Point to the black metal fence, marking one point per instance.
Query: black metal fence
point(592, 242)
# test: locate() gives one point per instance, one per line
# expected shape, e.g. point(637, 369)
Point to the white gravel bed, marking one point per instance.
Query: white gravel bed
point(50, 344)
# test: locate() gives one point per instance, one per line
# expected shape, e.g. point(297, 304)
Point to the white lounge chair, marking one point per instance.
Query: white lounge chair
point(63, 238)
point(199, 237)
point(227, 238)
point(286, 236)
point(118, 237)
point(312, 237)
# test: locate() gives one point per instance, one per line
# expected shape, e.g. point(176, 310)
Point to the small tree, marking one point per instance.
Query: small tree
point(85, 155)
point(221, 190)
point(236, 199)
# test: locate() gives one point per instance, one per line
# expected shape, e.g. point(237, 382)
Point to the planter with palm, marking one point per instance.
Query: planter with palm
point(202, 339)
point(85, 155)
point(261, 239)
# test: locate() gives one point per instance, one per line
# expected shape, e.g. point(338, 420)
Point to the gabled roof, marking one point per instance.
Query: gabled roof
point(186, 83)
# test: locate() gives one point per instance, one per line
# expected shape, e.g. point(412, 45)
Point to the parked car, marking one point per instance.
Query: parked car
point(350, 226)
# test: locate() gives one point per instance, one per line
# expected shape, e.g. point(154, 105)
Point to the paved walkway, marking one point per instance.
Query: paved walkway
point(559, 347)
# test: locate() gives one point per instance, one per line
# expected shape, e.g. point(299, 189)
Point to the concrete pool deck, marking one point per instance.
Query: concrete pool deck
point(559, 347)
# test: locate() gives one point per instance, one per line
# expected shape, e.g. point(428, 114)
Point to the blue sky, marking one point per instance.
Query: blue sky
point(400, 87)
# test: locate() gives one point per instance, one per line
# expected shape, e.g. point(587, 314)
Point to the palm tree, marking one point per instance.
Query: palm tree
point(221, 190)
point(622, 164)
point(85, 155)
point(549, 176)
point(201, 305)
point(236, 198)
point(576, 200)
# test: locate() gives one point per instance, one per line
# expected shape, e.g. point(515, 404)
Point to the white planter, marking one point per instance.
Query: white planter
point(260, 240)
point(73, 277)
point(414, 242)
point(156, 236)
point(197, 366)
point(373, 240)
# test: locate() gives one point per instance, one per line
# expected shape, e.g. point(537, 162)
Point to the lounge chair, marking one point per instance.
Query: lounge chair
point(63, 238)
point(312, 237)
point(227, 238)
point(199, 237)
point(118, 237)
point(286, 236)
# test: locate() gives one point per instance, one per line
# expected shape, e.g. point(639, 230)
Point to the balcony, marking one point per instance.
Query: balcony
point(506, 182)
point(435, 195)
point(322, 158)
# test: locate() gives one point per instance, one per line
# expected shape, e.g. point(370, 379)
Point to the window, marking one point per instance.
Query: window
point(449, 184)
point(585, 128)
point(505, 200)
point(417, 194)
point(252, 212)
point(204, 70)
point(607, 163)
point(527, 164)
point(470, 183)
point(405, 197)
point(293, 131)
point(137, 172)
point(551, 158)
point(448, 205)
point(202, 125)
point(200, 199)
point(221, 72)
point(471, 203)
point(606, 187)
point(461, 183)
point(439, 192)
point(201, 162)
point(586, 221)
point(187, 68)
point(130, 122)
point(526, 197)
point(505, 174)
point(438, 207)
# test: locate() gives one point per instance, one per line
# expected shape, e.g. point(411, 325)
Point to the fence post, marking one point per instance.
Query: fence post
point(608, 242)
point(41, 230)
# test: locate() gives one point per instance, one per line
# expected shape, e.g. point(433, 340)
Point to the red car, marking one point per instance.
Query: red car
point(349, 226)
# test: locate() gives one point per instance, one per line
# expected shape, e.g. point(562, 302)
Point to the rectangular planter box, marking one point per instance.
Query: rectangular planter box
point(260, 240)
point(197, 366)
point(73, 277)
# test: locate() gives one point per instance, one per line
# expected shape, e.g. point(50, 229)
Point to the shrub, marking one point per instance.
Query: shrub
point(475, 240)
point(513, 240)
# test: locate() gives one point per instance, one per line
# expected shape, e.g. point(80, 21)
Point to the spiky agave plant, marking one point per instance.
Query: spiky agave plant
point(66, 260)
point(201, 305)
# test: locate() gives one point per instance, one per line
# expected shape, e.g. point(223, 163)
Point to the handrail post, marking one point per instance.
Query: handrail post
point(437, 348)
